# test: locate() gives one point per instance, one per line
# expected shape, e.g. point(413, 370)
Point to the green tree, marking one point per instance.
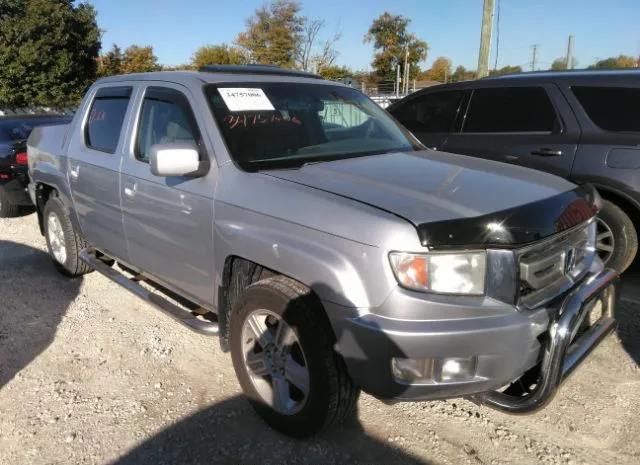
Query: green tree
point(48, 51)
point(335, 72)
point(440, 70)
point(218, 55)
point(462, 74)
point(274, 34)
point(506, 70)
point(392, 41)
point(621, 61)
point(560, 64)
point(110, 63)
point(139, 60)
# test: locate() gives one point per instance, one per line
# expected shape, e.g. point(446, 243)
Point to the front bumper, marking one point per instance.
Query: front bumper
point(506, 346)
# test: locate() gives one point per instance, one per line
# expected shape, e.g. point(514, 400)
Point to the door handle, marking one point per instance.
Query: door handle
point(547, 152)
point(74, 171)
point(130, 189)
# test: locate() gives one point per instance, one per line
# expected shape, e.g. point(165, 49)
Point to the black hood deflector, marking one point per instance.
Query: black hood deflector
point(516, 226)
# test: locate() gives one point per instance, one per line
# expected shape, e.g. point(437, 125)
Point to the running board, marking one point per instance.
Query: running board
point(185, 317)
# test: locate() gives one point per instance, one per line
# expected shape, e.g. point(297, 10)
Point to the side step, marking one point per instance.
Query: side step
point(185, 317)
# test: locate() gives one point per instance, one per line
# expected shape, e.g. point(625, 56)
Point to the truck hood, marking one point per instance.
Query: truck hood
point(438, 188)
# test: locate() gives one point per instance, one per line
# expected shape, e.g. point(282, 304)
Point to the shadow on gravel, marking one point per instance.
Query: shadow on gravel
point(230, 432)
point(628, 311)
point(33, 299)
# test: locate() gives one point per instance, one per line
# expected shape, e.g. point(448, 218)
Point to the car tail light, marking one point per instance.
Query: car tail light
point(21, 158)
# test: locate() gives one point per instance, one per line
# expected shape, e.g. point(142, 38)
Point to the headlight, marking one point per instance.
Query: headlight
point(442, 273)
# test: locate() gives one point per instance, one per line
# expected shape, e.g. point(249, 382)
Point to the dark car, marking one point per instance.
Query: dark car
point(14, 131)
point(581, 125)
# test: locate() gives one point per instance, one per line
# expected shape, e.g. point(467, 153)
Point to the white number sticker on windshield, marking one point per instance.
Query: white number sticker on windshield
point(244, 99)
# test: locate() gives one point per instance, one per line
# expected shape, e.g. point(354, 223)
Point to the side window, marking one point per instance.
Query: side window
point(434, 112)
point(106, 116)
point(511, 109)
point(166, 118)
point(611, 108)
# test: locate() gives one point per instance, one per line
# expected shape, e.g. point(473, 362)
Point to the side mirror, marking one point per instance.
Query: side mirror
point(181, 159)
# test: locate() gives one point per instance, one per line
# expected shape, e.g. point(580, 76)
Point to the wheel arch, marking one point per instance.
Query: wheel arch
point(238, 273)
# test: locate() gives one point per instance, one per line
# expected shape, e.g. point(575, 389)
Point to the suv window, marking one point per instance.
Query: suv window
point(611, 108)
point(434, 112)
point(102, 131)
point(166, 118)
point(511, 109)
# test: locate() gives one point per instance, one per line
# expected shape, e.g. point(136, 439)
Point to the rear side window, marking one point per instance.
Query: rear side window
point(166, 118)
point(106, 117)
point(611, 108)
point(434, 112)
point(511, 109)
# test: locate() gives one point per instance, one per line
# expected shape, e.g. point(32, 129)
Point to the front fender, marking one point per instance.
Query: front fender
point(338, 270)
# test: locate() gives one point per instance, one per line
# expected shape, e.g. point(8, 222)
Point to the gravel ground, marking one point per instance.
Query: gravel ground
point(91, 375)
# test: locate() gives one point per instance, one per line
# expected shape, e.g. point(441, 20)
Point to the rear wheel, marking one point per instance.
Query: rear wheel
point(283, 356)
point(63, 242)
point(617, 239)
point(7, 209)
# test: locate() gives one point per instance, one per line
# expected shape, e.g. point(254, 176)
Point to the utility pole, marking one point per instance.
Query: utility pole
point(485, 38)
point(398, 81)
point(570, 53)
point(405, 87)
point(534, 57)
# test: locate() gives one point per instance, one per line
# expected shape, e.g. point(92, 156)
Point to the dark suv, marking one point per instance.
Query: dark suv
point(581, 125)
point(14, 131)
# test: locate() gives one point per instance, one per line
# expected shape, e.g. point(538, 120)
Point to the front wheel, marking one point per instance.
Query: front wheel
point(283, 356)
point(63, 242)
point(617, 239)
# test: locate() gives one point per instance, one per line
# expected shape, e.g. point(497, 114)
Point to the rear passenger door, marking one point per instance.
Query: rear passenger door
point(430, 116)
point(168, 221)
point(95, 152)
point(528, 125)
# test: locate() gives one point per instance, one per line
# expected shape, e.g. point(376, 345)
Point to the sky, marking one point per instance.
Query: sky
point(601, 28)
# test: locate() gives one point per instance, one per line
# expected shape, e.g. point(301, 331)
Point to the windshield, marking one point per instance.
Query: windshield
point(284, 125)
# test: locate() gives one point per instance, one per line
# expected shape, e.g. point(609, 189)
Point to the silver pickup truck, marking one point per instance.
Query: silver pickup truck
point(327, 248)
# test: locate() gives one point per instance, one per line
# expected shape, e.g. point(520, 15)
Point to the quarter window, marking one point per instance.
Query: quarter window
point(511, 109)
point(611, 108)
point(434, 112)
point(106, 117)
point(166, 118)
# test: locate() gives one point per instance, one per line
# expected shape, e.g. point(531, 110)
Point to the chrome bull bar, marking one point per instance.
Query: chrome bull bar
point(562, 354)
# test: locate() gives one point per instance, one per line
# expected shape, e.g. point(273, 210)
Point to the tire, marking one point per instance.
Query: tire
point(332, 396)
point(616, 230)
point(7, 209)
point(69, 265)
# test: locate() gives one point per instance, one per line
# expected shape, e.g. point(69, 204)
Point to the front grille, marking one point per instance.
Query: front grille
point(548, 268)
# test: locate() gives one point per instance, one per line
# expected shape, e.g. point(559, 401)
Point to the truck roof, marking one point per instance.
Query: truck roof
point(223, 73)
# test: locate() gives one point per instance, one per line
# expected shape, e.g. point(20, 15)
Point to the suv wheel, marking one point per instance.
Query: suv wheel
point(7, 209)
point(283, 356)
point(63, 242)
point(617, 239)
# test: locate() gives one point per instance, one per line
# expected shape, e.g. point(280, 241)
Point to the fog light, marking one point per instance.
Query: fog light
point(412, 369)
point(457, 369)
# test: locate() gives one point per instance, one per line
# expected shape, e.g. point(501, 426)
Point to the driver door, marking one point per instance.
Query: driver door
point(168, 221)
